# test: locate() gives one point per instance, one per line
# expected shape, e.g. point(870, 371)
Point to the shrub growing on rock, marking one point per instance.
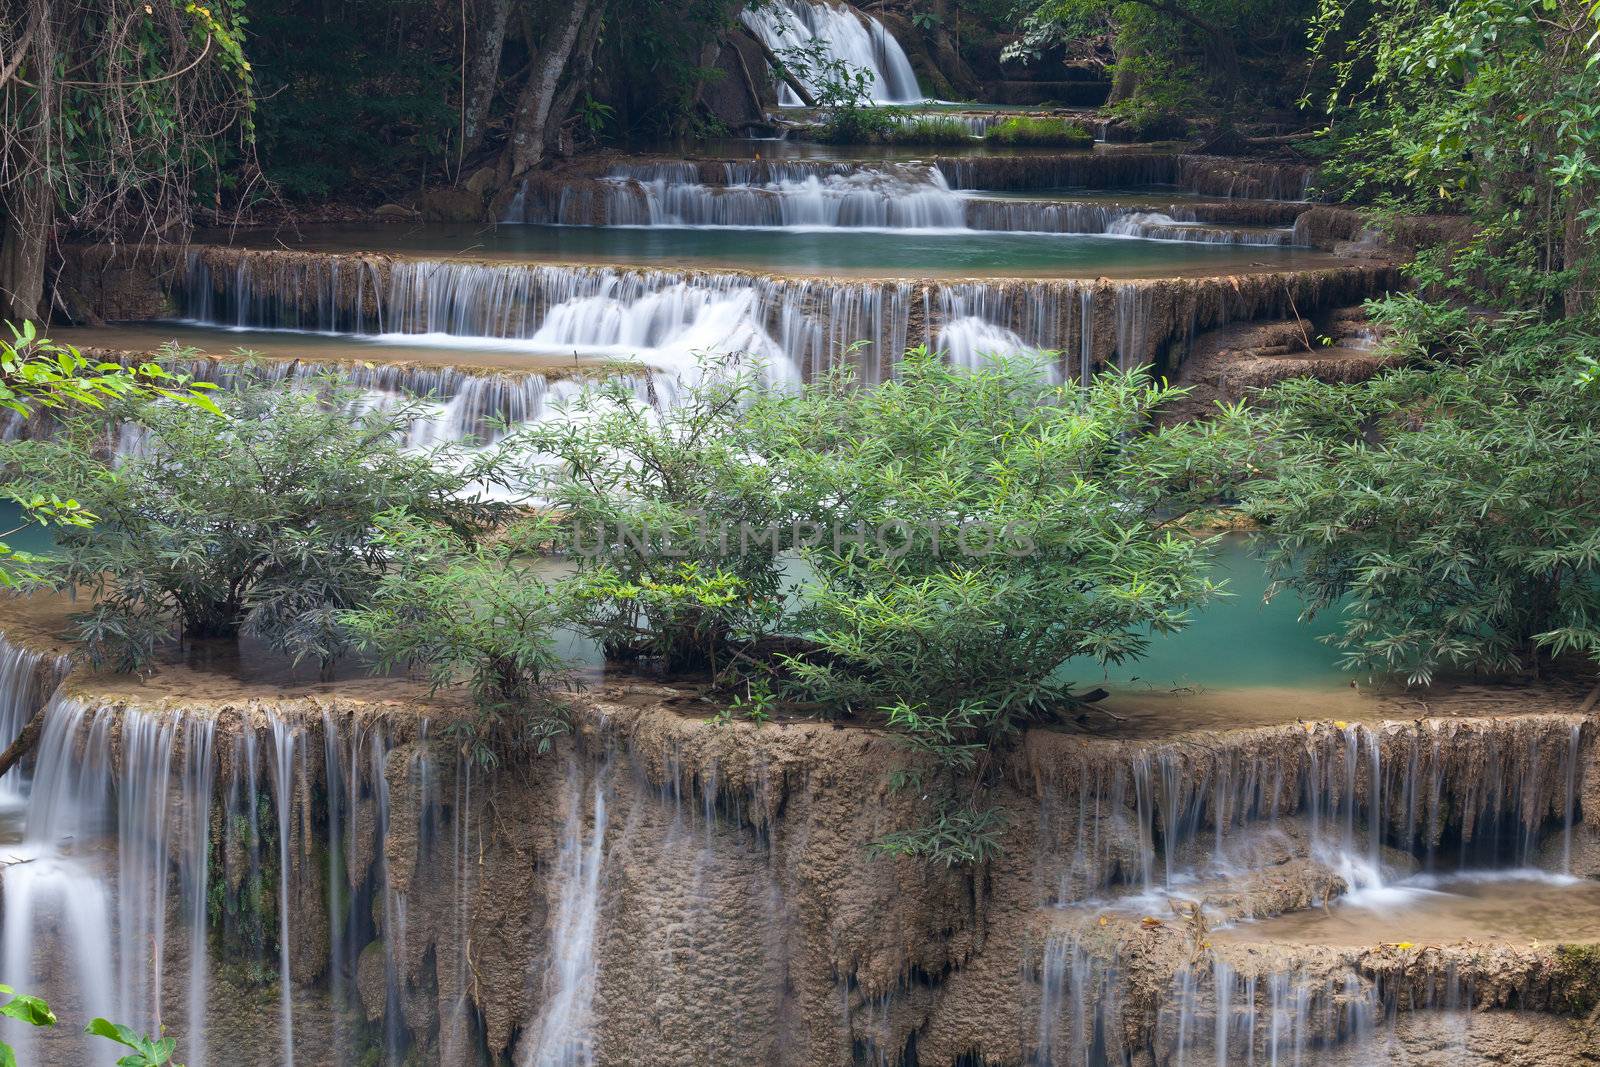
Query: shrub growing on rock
point(260, 521)
point(483, 616)
point(664, 514)
point(1448, 511)
point(994, 538)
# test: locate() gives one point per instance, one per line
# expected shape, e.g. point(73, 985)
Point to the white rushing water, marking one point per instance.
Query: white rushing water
point(846, 34)
point(805, 196)
point(565, 1028)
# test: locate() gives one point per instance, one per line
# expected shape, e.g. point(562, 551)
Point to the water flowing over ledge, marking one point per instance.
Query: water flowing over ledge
point(845, 34)
point(659, 890)
point(1111, 168)
point(890, 196)
point(793, 325)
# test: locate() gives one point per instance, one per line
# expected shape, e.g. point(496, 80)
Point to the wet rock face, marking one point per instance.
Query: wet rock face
point(661, 890)
point(1095, 322)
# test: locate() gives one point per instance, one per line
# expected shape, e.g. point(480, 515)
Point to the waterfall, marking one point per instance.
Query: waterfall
point(1163, 815)
point(846, 34)
point(283, 777)
point(565, 1029)
point(886, 196)
point(791, 327)
point(883, 196)
point(26, 677)
point(118, 895)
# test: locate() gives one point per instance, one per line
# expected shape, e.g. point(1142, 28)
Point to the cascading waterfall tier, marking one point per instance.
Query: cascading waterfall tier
point(1453, 793)
point(642, 192)
point(842, 33)
point(322, 873)
point(792, 325)
point(886, 196)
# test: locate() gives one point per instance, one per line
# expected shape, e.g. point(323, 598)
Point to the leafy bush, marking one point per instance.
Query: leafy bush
point(473, 614)
point(1450, 509)
point(893, 126)
point(1010, 528)
point(1010, 534)
point(263, 521)
point(1027, 131)
point(1487, 109)
point(37, 374)
point(663, 513)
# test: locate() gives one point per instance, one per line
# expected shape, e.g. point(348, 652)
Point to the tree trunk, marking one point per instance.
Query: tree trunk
point(23, 243)
point(779, 69)
point(27, 200)
point(581, 67)
point(483, 74)
point(530, 128)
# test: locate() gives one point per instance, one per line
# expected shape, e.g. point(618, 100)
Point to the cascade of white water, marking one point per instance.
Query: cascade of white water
point(563, 1034)
point(1160, 226)
point(284, 749)
point(199, 775)
point(971, 342)
point(800, 195)
point(26, 678)
point(1085, 335)
point(1163, 817)
point(845, 34)
point(884, 196)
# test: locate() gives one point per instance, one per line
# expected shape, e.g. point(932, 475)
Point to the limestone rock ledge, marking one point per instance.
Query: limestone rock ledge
point(709, 892)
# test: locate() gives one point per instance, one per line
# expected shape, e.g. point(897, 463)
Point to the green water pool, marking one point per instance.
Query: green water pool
point(830, 251)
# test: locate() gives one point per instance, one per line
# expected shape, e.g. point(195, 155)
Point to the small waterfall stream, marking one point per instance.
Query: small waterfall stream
point(804, 195)
point(845, 34)
point(565, 1029)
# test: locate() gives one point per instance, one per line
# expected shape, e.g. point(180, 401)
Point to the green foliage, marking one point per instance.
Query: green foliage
point(1489, 109)
point(1447, 512)
point(834, 83)
point(23, 1008)
point(146, 1051)
point(888, 125)
point(663, 515)
point(124, 111)
point(1035, 132)
point(1009, 528)
point(475, 614)
point(39, 374)
point(264, 520)
point(957, 835)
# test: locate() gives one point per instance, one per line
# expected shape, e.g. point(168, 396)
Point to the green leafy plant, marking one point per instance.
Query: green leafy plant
point(1488, 110)
point(1445, 511)
point(477, 615)
point(1034, 131)
point(663, 514)
point(1008, 535)
point(37, 374)
point(145, 1051)
point(298, 479)
point(24, 1008)
point(956, 836)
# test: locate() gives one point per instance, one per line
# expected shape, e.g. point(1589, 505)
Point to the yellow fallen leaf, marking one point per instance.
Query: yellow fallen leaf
point(1341, 724)
point(1150, 920)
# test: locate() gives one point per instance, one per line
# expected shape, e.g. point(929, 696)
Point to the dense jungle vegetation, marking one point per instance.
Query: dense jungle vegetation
point(1449, 509)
